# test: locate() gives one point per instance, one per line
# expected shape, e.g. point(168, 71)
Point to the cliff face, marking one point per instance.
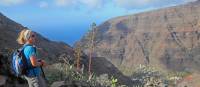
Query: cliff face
point(167, 38)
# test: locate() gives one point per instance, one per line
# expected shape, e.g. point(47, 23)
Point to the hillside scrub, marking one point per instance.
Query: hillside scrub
point(71, 76)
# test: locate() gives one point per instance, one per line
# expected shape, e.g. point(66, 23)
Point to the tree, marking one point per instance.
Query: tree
point(91, 38)
point(78, 54)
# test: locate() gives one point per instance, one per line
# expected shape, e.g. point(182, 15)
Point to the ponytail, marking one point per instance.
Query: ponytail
point(23, 37)
point(20, 38)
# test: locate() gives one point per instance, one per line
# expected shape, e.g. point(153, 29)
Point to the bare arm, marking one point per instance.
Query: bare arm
point(34, 62)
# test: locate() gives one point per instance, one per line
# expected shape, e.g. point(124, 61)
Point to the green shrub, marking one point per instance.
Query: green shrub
point(148, 76)
point(64, 72)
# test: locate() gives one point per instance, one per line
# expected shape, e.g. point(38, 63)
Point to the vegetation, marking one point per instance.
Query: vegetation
point(91, 45)
point(145, 76)
point(78, 54)
point(69, 74)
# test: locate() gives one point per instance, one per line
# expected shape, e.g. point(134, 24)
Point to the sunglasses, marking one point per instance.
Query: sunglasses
point(32, 35)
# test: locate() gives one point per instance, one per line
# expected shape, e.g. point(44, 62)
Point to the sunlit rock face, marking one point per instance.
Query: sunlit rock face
point(167, 38)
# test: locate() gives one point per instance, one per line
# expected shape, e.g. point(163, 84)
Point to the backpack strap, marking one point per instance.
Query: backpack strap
point(24, 60)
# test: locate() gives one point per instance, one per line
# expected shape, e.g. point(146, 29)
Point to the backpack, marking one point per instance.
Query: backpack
point(19, 62)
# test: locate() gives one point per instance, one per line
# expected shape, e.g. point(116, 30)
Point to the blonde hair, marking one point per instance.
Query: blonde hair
point(24, 36)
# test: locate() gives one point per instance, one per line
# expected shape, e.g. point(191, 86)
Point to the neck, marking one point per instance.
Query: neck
point(29, 43)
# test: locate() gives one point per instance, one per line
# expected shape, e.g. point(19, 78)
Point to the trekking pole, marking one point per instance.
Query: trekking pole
point(43, 73)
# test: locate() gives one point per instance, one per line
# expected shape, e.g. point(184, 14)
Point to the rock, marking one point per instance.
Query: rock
point(6, 76)
point(167, 38)
point(58, 84)
point(71, 84)
point(3, 80)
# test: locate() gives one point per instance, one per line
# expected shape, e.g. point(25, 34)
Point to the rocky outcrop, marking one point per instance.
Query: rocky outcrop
point(73, 84)
point(7, 78)
point(167, 38)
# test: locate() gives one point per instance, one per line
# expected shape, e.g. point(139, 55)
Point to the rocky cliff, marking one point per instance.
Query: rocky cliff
point(167, 38)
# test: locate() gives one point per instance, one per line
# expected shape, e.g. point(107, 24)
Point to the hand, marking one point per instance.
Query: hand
point(43, 63)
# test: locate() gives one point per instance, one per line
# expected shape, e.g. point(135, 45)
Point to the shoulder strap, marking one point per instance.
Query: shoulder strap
point(24, 60)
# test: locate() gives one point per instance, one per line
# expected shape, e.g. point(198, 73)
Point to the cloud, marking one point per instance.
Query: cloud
point(93, 3)
point(65, 3)
point(132, 3)
point(137, 4)
point(11, 2)
point(43, 4)
point(189, 0)
point(127, 4)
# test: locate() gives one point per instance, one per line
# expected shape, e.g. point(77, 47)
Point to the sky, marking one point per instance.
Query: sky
point(69, 20)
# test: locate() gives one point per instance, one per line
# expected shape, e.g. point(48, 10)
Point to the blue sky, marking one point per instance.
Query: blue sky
point(69, 20)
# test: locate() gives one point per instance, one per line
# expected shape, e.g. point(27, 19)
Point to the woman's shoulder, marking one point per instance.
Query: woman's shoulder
point(29, 48)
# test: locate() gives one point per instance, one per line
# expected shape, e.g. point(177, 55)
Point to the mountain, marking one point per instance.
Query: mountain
point(53, 52)
point(9, 30)
point(167, 38)
point(50, 49)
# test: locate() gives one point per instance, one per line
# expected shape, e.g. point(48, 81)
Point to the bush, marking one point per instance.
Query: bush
point(148, 76)
point(69, 74)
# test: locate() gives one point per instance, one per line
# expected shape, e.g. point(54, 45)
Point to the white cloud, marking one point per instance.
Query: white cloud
point(135, 4)
point(129, 4)
point(189, 0)
point(63, 3)
point(78, 3)
point(11, 2)
point(93, 3)
point(43, 4)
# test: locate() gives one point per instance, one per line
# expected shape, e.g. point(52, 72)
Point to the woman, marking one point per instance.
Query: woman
point(33, 75)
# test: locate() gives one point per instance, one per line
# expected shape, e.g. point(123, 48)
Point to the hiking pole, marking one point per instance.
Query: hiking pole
point(43, 74)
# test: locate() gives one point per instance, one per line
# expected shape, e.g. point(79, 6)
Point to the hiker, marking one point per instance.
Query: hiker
point(33, 75)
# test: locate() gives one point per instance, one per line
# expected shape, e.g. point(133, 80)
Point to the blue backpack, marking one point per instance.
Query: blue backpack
point(19, 62)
